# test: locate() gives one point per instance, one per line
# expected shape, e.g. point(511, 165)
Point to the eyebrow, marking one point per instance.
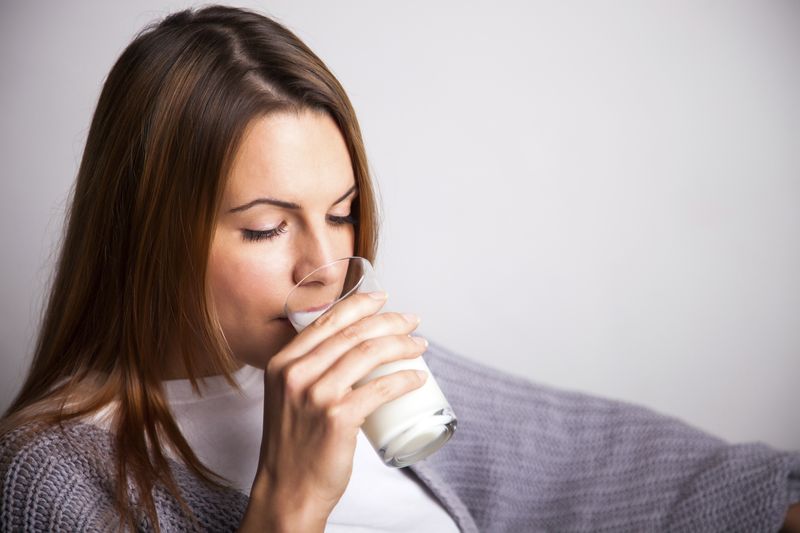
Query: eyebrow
point(284, 204)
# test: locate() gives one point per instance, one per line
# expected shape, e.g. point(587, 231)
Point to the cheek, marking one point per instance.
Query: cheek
point(243, 283)
point(346, 242)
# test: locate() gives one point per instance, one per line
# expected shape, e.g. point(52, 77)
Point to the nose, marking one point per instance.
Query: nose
point(311, 276)
point(315, 249)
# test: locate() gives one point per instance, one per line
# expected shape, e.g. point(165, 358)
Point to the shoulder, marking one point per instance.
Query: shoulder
point(61, 478)
point(55, 477)
point(85, 445)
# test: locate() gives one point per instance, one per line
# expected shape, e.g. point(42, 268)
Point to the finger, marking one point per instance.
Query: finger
point(341, 315)
point(318, 360)
point(362, 401)
point(338, 380)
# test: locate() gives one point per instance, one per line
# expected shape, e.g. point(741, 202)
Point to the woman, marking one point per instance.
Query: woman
point(223, 163)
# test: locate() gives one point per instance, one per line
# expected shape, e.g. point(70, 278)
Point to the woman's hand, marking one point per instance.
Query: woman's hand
point(312, 414)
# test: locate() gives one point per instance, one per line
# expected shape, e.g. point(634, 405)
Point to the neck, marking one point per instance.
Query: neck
point(177, 370)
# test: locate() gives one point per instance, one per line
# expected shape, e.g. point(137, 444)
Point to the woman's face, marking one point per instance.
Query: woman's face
point(284, 212)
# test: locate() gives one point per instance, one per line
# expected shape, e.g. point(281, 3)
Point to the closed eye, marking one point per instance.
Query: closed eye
point(259, 235)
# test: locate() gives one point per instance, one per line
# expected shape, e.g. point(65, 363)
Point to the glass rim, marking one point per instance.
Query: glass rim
point(325, 265)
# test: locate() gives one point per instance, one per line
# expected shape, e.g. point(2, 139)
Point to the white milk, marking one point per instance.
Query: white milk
point(302, 319)
point(411, 427)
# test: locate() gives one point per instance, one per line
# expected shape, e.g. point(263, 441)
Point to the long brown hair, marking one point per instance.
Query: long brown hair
point(129, 289)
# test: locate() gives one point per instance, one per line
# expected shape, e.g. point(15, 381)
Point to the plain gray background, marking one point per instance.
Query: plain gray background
point(602, 197)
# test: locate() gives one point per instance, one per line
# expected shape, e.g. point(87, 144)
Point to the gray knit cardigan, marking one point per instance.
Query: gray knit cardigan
point(525, 457)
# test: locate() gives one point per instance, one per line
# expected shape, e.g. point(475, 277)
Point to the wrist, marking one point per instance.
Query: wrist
point(279, 514)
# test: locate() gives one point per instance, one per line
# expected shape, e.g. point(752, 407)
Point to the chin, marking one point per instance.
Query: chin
point(276, 339)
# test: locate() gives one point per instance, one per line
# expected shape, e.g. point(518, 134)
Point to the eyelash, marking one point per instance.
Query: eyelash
point(256, 235)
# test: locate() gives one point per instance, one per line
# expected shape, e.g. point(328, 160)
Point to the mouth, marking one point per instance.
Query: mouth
point(319, 308)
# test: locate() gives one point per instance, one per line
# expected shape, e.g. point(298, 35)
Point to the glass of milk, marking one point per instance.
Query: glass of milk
point(406, 429)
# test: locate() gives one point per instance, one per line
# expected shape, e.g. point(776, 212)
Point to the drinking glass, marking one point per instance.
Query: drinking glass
point(406, 429)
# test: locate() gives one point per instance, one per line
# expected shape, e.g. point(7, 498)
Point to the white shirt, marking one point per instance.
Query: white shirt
point(223, 427)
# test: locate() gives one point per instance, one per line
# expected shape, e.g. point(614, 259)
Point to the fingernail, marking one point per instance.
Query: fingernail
point(411, 318)
point(378, 295)
point(421, 341)
point(422, 374)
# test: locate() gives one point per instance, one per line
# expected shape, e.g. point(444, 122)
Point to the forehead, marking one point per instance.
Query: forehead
point(300, 158)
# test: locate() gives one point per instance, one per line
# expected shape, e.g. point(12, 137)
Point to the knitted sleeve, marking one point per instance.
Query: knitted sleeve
point(527, 457)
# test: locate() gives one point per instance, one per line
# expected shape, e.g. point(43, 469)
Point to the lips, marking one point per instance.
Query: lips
point(320, 308)
point(309, 310)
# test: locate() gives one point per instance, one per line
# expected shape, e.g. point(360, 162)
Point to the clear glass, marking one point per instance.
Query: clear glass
point(406, 429)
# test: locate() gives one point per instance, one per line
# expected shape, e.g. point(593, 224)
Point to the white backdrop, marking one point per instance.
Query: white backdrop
point(597, 197)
